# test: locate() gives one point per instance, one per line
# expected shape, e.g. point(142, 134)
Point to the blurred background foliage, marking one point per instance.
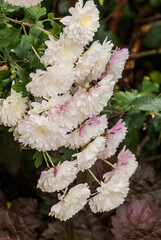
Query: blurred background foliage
point(133, 24)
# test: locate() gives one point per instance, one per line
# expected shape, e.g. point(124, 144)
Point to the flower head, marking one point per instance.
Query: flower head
point(117, 62)
point(71, 203)
point(13, 109)
point(83, 22)
point(56, 80)
point(126, 162)
point(23, 3)
point(114, 137)
point(62, 50)
point(89, 155)
point(58, 178)
point(92, 128)
point(110, 195)
point(92, 63)
point(40, 133)
point(95, 99)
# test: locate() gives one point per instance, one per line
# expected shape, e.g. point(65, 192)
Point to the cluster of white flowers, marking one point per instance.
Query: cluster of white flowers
point(23, 3)
point(115, 187)
point(69, 97)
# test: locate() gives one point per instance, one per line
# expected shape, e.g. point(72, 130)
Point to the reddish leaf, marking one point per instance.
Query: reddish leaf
point(84, 226)
point(146, 184)
point(20, 221)
point(137, 220)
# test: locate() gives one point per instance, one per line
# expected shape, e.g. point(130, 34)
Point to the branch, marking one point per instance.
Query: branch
point(145, 53)
point(117, 15)
point(157, 157)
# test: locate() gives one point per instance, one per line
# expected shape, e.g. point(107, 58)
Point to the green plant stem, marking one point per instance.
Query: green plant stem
point(47, 164)
point(90, 172)
point(108, 162)
point(35, 51)
point(81, 85)
point(48, 20)
point(50, 159)
point(28, 25)
point(16, 65)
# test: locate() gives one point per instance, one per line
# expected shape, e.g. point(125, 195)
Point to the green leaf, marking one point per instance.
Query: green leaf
point(155, 76)
point(124, 99)
point(157, 123)
point(91, 175)
point(20, 88)
point(34, 13)
point(134, 120)
point(147, 104)
point(38, 157)
point(23, 75)
point(132, 139)
point(4, 74)
point(101, 2)
point(22, 49)
point(10, 37)
point(56, 28)
point(66, 153)
point(26, 148)
point(50, 16)
point(149, 88)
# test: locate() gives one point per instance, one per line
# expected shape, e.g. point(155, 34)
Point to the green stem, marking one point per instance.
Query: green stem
point(94, 177)
point(3, 58)
point(81, 85)
point(29, 25)
point(16, 65)
point(35, 51)
point(48, 20)
point(108, 162)
point(57, 18)
point(47, 164)
point(50, 159)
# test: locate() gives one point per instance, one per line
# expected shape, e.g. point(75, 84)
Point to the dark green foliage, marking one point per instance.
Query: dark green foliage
point(38, 157)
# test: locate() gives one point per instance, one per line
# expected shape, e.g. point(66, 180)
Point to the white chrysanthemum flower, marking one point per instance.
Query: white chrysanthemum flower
point(89, 155)
point(45, 105)
point(56, 80)
point(95, 99)
point(110, 195)
point(117, 62)
point(93, 62)
point(83, 22)
point(23, 3)
point(124, 168)
point(126, 162)
point(58, 178)
point(67, 115)
point(40, 133)
point(114, 137)
point(71, 203)
point(62, 50)
point(92, 128)
point(13, 109)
